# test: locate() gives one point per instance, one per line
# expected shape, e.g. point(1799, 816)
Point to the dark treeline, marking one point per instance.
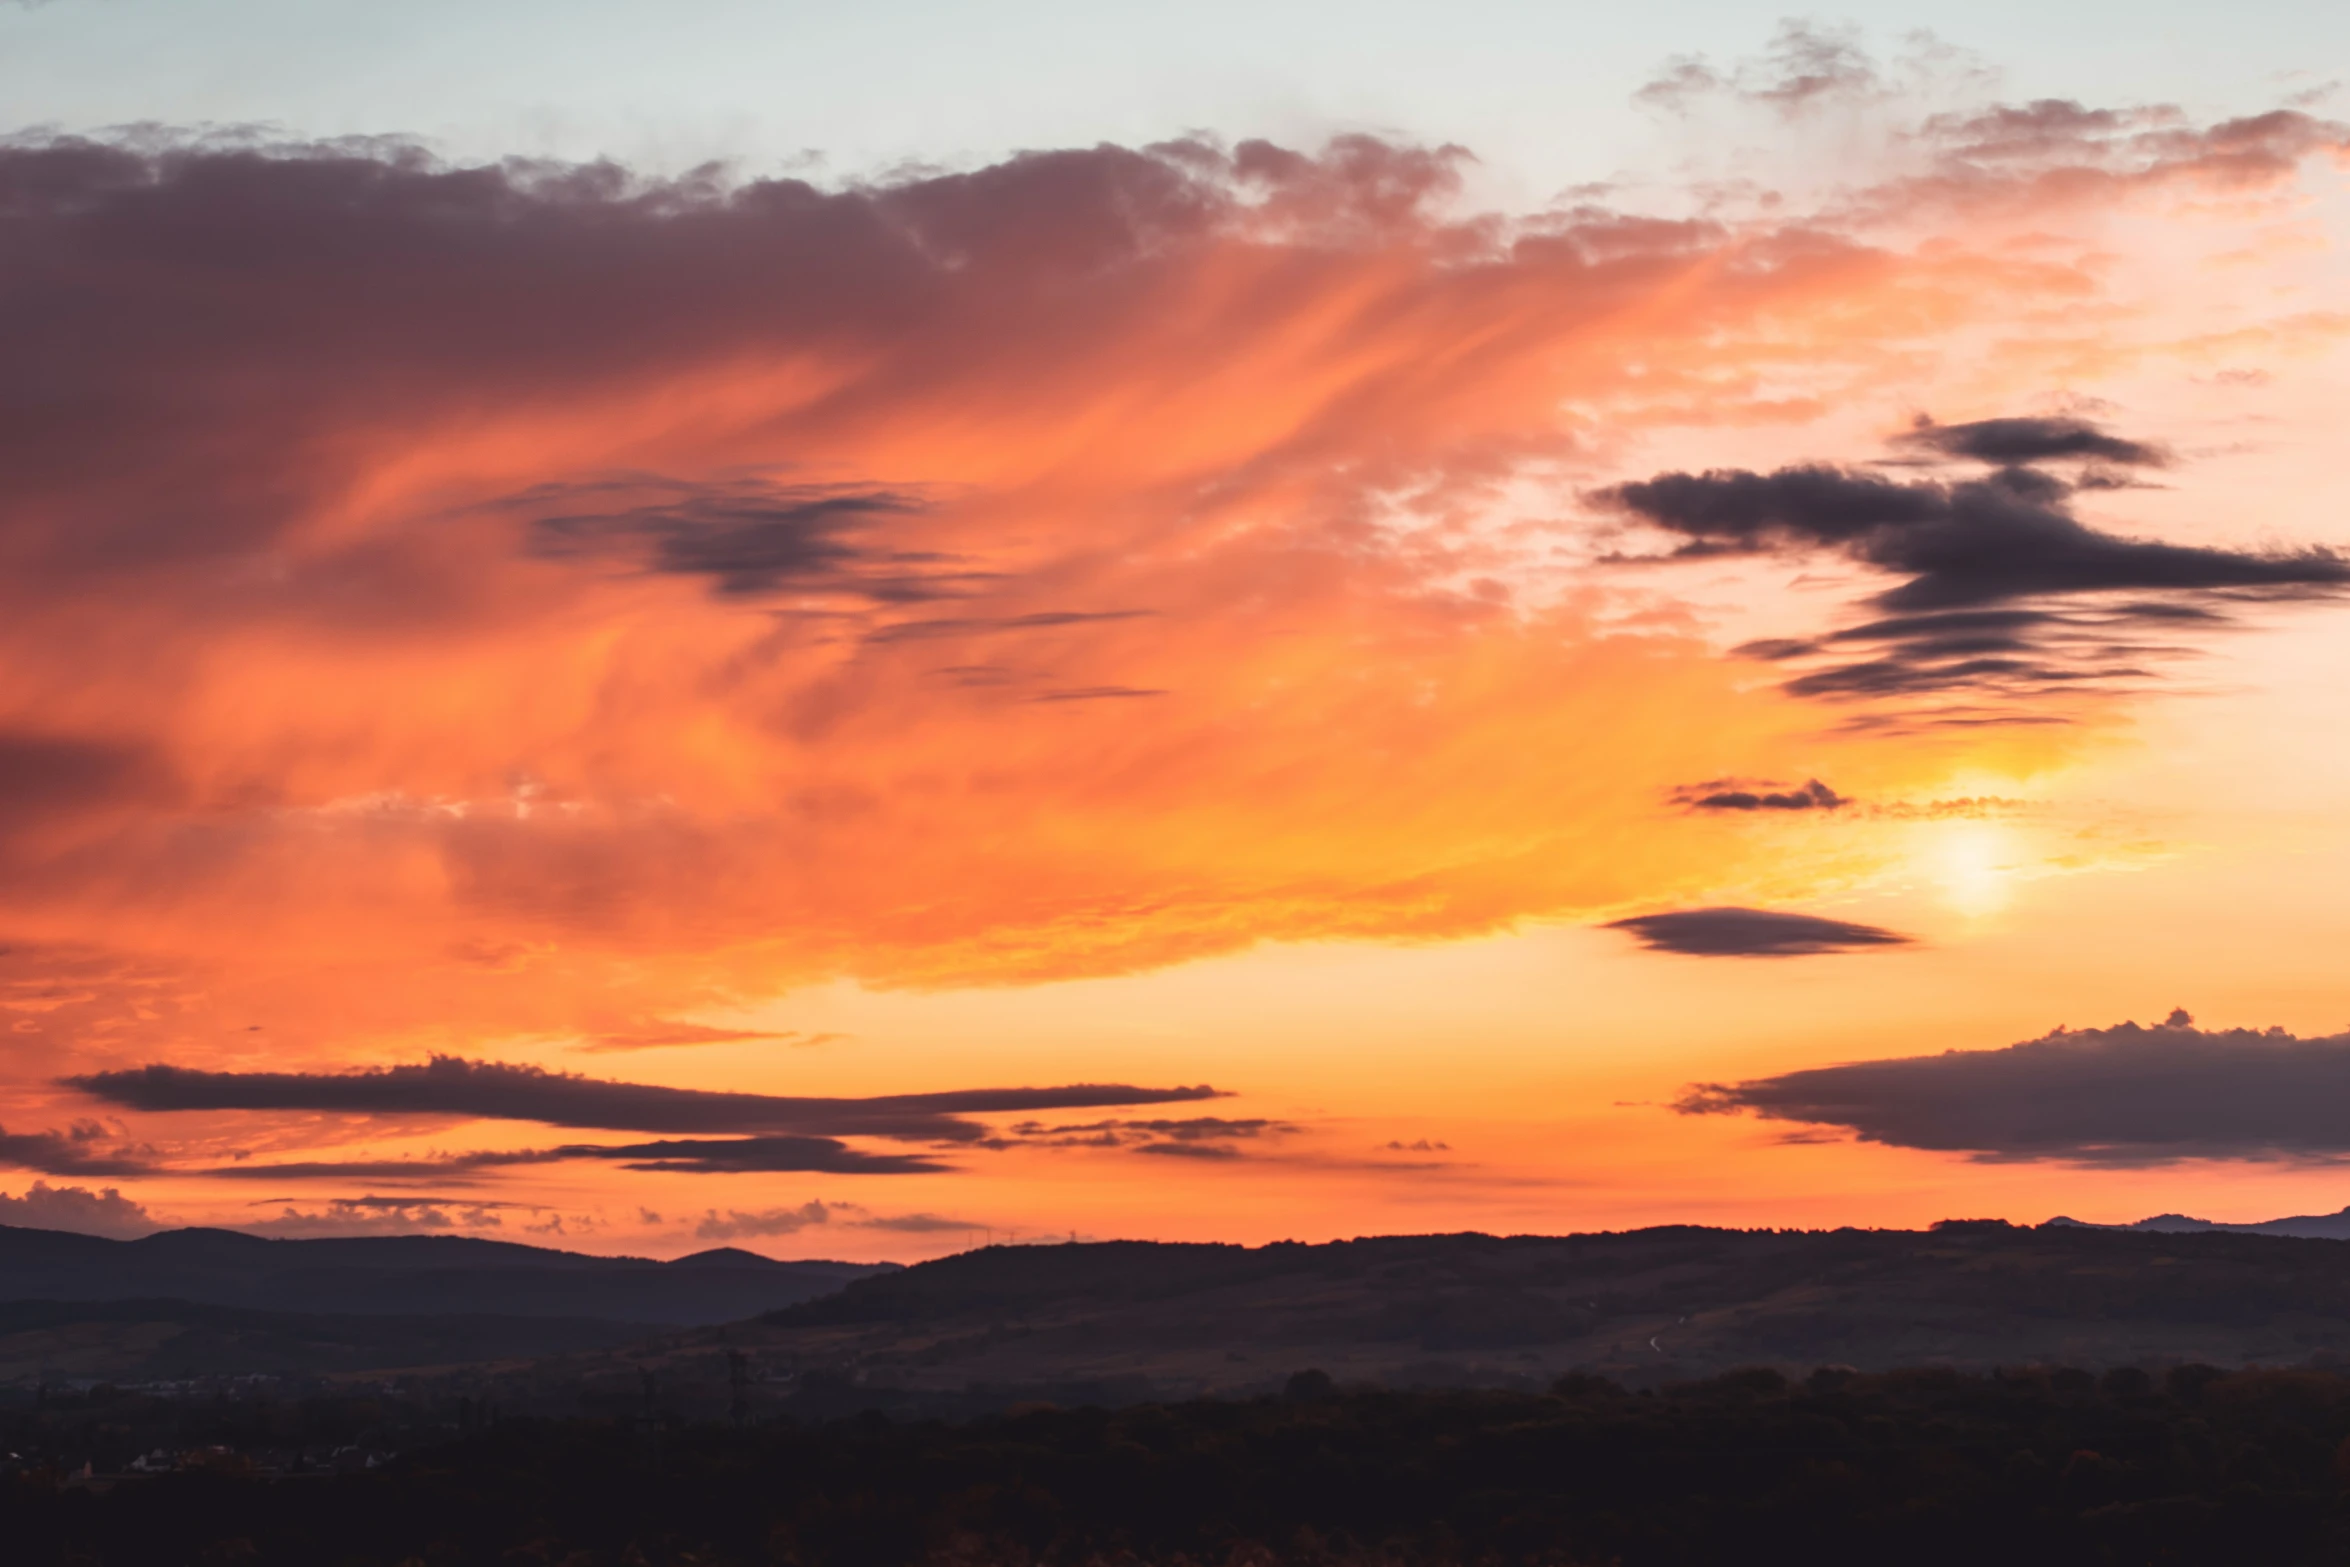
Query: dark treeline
point(2196, 1465)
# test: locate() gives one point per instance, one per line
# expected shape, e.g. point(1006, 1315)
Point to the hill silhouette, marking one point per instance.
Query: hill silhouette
point(230, 1303)
point(1124, 1321)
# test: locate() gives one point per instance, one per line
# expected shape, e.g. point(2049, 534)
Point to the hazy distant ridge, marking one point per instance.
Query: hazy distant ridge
point(408, 1275)
point(2307, 1226)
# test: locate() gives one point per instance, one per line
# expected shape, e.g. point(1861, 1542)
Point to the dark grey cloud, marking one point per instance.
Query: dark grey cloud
point(1979, 542)
point(755, 1155)
point(2008, 595)
point(695, 1156)
point(2018, 652)
point(80, 1150)
point(444, 1169)
point(1189, 1128)
point(1752, 933)
point(2026, 440)
point(2126, 1096)
point(1730, 794)
point(408, 1200)
point(489, 1090)
point(745, 536)
point(1206, 1136)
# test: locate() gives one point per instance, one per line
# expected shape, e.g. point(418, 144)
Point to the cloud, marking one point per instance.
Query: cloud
point(1187, 1129)
point(46, 778)
point(517, 601)
point(1205, 1136)
point(1975, 543)
point(739, 1225)
point(2030, 440)
point(745, 536)
point(667, 1035)
point(918, 1224)
point(1752, 933)
point(442, 1169)
point(2009, 595)
point(693, 1156)
point(107, 1212)
point(2123, 1096)
point(1729, 794)
point(972, 626)
point(578, 517)
point(1805, 67)
point(76, 1151)
point(747, 1155)
point(384, 1216)
point(489, 1090)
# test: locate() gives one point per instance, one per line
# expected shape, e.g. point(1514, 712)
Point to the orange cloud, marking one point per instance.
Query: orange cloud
point(461, 604)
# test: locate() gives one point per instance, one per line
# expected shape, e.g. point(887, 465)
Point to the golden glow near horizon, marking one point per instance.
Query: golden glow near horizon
point(1120, 622)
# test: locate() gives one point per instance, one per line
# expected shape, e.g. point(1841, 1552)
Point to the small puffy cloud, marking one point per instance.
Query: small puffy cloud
point(385, 1216)
point(736, 1224)
point(106, 1212)
point(1753, 933)
point(2121, 1096)
point(1732, 794)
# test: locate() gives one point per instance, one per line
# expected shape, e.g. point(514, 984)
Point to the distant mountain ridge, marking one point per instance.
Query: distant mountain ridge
point(2307, 1226)
point(409, 1275)
point(1114, 1322)
point(45, 1342)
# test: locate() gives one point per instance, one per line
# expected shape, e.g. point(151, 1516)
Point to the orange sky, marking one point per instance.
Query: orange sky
point(1145, 618)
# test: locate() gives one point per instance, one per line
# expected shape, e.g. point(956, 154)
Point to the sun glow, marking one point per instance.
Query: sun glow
point(1973, 867)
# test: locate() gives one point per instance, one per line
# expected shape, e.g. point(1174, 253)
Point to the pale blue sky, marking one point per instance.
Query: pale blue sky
point(1539, 90)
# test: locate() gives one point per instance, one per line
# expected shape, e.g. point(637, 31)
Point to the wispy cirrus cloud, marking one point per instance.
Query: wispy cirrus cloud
point(705, 625)
point(663, 1035)
point(1200, 1136)
point(451, 603)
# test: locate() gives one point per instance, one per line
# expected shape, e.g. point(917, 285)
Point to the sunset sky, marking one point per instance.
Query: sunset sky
point(852, 630)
